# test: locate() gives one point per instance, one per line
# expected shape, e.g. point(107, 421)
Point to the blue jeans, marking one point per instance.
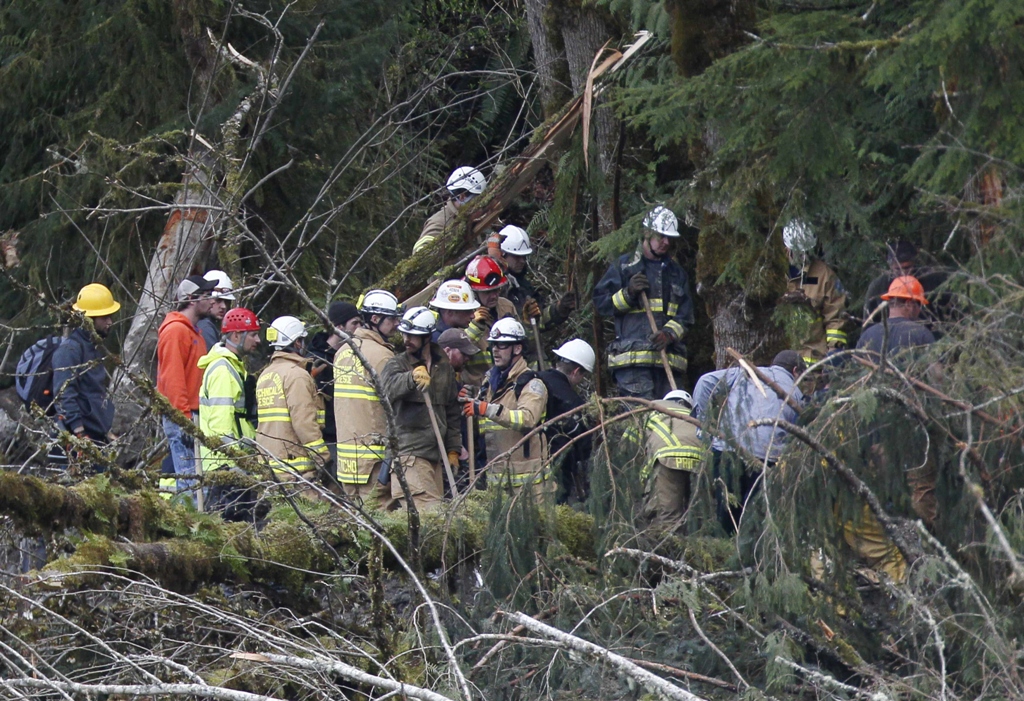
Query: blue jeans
point(182, 453)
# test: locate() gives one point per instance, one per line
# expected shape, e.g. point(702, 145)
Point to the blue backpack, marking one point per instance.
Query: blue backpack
point(33, 378)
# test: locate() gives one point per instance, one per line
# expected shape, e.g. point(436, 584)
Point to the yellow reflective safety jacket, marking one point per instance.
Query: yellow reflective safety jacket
point(518, 415)
point(827, 301)
point(222, 403)
point(290, 414)
point(668, 440)
point(358, 414)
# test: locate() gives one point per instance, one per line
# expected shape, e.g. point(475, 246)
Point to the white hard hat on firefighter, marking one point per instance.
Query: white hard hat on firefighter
point(284, 331)
point(418, 321)
point(455, 295)
point(515, 240)
point(379, 302)
point(661, 220)
point(466, 178)
point(798, 236)
point(577, 351)
point(680, 395)
point(507, 330)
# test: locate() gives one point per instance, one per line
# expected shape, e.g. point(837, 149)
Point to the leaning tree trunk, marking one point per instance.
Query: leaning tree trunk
point(181, 247)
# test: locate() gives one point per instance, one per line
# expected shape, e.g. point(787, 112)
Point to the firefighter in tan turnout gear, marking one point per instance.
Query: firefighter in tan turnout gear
point(814, 286)
point(487, 280)
point(515, 403)
point(463, 184)
point(289, 409)
point(358, 414)
point(671, 451)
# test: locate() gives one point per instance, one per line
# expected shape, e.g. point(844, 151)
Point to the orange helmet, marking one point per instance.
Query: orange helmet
point(906, 287)
point(484, 273)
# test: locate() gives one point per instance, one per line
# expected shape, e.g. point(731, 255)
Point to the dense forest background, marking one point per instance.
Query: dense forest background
point(300, 145)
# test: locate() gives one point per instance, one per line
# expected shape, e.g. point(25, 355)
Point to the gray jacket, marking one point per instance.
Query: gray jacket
point(415, 434)
point(729, 400)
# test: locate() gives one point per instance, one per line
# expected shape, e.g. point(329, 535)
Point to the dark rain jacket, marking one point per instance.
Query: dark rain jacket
point(415, 434)
point(80, 386)
point(671, 304)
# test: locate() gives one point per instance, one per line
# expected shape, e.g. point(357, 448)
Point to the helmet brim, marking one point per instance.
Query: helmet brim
point(105, 311)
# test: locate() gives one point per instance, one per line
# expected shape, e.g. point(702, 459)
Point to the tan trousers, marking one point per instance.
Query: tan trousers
point(667, 496)
point(871, 543)
point(425, 483)
point(372, 495)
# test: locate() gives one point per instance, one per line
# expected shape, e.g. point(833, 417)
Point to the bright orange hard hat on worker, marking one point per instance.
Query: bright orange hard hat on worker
point(906, 287)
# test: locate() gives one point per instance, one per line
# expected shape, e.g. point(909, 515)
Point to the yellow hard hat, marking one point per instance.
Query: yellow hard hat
point(95, 300)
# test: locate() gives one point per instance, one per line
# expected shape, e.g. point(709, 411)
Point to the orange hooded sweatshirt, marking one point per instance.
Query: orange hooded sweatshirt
point(178, 349)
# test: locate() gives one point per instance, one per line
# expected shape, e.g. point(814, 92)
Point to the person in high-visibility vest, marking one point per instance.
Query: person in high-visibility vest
point(360, 421)
point(290, 411)
point(671, 451)
point(223, 413)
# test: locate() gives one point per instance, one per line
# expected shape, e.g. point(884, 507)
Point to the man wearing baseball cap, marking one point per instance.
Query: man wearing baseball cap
point(179, 347)
point(456, 344)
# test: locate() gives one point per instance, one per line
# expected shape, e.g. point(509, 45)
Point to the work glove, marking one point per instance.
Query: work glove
point(531, 310)
point(637, 284)
point(566, 305)
point(662, 339)
point(476, 407)
point(453, 459)
point(421, 376)
point(482, 317)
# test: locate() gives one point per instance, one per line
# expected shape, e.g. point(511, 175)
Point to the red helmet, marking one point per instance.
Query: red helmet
point(484, 273)
point(239, 319)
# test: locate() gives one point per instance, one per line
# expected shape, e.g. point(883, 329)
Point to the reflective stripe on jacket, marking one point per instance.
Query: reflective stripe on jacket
point(477, 365)
point(669, 441)
point(222, 403)
point(288, 406)
point(827, 300)
point(358, 414)
point(517, 417)
point(671, 305)
point(435, 225)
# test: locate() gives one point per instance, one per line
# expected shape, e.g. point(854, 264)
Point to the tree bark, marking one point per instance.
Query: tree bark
point(182, 246)
point(548, 56)
point(741, 323)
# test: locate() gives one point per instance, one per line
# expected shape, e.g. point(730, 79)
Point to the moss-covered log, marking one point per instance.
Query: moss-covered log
point(195, 548)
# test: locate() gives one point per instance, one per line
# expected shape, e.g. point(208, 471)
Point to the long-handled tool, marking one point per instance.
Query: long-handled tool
point(654, 329)
point(471, 437)
point(440, 442)
point(536, 339)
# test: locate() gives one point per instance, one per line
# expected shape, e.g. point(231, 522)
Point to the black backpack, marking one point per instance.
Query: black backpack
point(33, 378)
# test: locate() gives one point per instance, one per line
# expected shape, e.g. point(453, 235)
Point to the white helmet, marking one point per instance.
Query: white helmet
point(663, 221)
point(515, 241)
point(578, 351)
point(224, 287)
point(378, 302)
point(798, 236)
point(680, 395)
point(456, 295)
point(466, 178)
point(285, 331)
point(418, 321)
point(507, 330)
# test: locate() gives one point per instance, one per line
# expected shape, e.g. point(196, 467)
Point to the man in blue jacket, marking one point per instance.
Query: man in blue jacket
point(634, 357)
point(79, 376)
